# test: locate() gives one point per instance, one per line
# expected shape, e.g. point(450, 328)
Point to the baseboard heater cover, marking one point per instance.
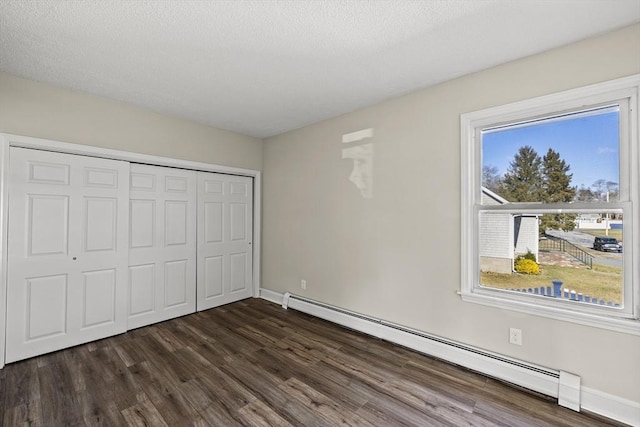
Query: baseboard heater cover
point(554, 383)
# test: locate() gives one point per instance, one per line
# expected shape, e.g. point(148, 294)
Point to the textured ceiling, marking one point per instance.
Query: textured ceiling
point(264, 67)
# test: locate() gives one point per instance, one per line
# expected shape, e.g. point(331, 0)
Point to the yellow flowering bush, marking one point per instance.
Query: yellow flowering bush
point(526, 266)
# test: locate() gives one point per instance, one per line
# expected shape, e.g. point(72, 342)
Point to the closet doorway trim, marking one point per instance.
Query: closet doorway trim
point(9, 140)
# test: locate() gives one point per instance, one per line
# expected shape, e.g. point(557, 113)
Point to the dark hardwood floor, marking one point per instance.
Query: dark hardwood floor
point(254, 364)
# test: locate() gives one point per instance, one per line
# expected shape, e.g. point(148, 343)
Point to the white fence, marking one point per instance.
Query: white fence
point(593, 224)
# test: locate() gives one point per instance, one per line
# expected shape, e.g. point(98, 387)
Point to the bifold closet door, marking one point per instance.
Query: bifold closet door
point(225, 232)
point(67, 257)
point(162, 244)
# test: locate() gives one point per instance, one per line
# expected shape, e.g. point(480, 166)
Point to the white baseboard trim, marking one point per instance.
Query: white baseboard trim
point(527, 375)
point(610, 406)
point(274, 297)
point(521, 373)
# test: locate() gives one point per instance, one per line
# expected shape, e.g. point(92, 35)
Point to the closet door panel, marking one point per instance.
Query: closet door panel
point(46, 307)
point(225, 232)
point(162, 246)
point(47, 234)
point(67, 258)
point(176, 277)
point(142, 223)
point(141, 289)
point(100, 229)
point(99, 291)
point(213, 277)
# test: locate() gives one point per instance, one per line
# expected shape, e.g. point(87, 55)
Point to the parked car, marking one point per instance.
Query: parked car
point(607, 244)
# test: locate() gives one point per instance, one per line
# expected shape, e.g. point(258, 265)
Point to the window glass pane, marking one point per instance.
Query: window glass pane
point(565, 158)
point(516, 255)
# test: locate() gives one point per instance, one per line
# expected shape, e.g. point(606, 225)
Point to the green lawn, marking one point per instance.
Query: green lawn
point(612, 233)
point(603, 282)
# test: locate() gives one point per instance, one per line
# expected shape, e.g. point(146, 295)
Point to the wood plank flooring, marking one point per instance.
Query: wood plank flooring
point(254, 364)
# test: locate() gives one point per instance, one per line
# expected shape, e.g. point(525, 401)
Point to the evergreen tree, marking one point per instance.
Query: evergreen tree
point(523, 180)
point(556, 189)
point(556, 179)
point(531, 178)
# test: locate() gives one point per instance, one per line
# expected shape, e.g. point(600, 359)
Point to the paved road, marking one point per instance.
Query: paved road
point(586, 241)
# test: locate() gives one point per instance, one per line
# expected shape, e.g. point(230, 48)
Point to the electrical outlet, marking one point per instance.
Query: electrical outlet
point(303, 284)
point(515, 336)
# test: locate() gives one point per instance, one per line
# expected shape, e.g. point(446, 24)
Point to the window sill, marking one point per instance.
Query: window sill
point(626, 326)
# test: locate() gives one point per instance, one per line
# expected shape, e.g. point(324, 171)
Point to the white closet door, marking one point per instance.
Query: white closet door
point(162, 244)
point(67, 257)
point(225, 232)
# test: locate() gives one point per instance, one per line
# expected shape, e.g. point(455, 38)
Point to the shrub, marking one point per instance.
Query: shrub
point(526, 266)
point(528, 255)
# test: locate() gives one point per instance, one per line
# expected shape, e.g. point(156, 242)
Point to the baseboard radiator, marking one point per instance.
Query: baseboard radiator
point(559, 384)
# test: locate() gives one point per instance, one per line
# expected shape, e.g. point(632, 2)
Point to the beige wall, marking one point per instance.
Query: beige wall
point(397, 255)
point(44, 111)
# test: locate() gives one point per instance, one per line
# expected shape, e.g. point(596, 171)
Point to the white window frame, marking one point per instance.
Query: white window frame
point(622, 320)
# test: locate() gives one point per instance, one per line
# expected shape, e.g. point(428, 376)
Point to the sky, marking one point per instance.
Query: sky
point(588, 144)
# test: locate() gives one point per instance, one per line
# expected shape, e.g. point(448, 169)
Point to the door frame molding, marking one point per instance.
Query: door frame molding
point(10, 140)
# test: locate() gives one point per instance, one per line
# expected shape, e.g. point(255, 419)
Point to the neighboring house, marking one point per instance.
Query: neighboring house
point(596, 221)
point(590, 221)
point(504, 236)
